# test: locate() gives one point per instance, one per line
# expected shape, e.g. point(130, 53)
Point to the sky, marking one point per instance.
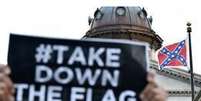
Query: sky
point(69, 19)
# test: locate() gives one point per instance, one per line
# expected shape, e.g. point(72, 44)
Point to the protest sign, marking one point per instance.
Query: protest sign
point(49, 69)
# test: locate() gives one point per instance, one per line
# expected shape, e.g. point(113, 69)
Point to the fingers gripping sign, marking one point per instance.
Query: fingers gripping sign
point(152, 91)
point(6, 85)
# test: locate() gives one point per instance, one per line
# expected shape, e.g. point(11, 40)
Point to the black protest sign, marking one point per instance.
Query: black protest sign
point(47, 69)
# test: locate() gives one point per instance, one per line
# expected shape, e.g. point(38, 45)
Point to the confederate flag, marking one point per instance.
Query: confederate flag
point(173, 55)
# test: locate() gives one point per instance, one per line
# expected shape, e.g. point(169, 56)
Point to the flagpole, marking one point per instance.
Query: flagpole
point(189, 30)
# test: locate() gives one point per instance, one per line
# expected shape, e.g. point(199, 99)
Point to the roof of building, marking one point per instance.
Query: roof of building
point(127, 16)
point(180, 75)
point(177, 74)
point(123, 20)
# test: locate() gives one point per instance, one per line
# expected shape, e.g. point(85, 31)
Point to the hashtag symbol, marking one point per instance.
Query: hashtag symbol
point(43, 53)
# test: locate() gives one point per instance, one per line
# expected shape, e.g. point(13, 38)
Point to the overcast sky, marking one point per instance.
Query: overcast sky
point(68, 19)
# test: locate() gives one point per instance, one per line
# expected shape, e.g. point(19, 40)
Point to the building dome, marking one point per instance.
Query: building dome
point(123, 23)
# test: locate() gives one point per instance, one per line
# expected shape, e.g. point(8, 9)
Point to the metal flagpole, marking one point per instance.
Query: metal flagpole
point(189, 30)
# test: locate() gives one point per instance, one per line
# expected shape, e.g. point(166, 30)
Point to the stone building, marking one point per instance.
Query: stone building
point(132, 23)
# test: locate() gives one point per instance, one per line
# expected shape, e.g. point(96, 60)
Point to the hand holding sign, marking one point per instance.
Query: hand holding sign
point(47, 69)
point(156, 94)
point(152, 91)
point(6, 86)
